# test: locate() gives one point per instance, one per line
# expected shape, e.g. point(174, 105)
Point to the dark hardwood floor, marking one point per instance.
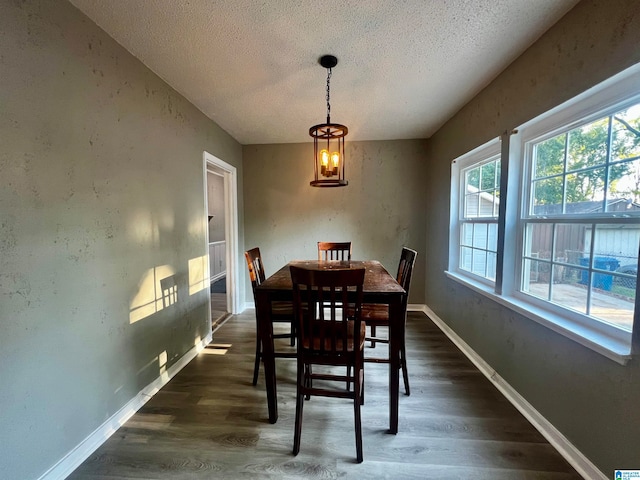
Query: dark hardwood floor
point(219, 311)
point(209, 422)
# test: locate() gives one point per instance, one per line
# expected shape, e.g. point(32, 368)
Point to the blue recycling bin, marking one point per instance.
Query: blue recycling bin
point(600, 280)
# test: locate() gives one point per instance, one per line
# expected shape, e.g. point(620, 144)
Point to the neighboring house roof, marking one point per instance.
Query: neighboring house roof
point(613, 205)
point(483, 195)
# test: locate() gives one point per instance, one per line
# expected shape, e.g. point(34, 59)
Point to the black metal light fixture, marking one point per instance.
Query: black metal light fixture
point(328, 142)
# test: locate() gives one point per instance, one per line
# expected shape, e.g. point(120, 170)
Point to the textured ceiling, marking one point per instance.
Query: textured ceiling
point(404, 67)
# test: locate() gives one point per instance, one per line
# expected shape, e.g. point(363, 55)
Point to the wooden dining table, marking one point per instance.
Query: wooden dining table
point(379, 287)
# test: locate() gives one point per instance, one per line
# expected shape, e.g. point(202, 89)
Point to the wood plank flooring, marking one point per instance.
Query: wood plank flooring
point(209, 422)
point(219, 312)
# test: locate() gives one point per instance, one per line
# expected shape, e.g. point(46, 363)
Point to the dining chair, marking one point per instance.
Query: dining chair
point(334, 250)
point(330, 333)
point(377, 315)
point(281, 311)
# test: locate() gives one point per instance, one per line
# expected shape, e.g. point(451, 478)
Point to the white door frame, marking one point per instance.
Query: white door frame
point(230, 227)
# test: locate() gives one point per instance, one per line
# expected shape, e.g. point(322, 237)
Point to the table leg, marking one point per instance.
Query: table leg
point(396, 333)
point(265, 326)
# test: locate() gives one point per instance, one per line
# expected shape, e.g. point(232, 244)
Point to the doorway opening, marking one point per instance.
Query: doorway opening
point(220, 180)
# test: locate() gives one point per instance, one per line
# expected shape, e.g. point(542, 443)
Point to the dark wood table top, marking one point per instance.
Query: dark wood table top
point(377, 281)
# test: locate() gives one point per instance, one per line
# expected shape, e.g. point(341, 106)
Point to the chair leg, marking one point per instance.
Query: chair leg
point(348, 375)
point(307, 379)
point(299, 406)
point(405, 373)
point(357, 418)
point(362, 386)
point(373, 334)
point(256, 366)
point(293, 333)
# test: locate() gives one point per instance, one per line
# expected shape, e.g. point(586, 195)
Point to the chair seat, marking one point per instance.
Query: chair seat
point(375, 314)
point(339, 341)
point(282, 308)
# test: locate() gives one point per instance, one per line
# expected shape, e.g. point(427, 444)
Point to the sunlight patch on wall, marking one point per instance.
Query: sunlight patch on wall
point(143, 229)
point(157, 290)
point(198, 274)
point(162, 364)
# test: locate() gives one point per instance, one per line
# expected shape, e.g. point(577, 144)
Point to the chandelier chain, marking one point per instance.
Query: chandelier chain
point(328, 95)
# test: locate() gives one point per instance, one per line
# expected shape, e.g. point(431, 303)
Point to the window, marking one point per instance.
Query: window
point(580, 224)
point(570, 217)
point(476, 225)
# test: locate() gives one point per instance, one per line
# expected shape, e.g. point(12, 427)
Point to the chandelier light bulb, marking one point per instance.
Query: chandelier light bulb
point(324, 157)
point(335, 159)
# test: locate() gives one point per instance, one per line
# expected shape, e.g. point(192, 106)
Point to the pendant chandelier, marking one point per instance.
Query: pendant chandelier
point(328, 142)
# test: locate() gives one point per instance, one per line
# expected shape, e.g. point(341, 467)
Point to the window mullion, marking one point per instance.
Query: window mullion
point(607, 163)
point(551, 262)
point(564, 172)
point(590, 283)
point(505, 139)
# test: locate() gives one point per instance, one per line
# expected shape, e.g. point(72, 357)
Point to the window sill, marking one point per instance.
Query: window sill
point(615, 349)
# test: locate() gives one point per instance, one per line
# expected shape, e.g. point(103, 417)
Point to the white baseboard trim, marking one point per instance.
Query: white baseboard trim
point(84, 449)
point(570, 453)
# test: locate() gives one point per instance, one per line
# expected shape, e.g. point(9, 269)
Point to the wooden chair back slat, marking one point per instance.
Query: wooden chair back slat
point(405, 269)
point(334, 251)
point(328, 320)
point(256, 268)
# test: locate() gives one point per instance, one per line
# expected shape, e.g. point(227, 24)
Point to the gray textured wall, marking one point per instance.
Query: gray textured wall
point(380, 210)
point(101, 174)
point(590, 399)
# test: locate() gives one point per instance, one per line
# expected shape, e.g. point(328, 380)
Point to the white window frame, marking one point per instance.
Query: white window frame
point(614, 343)
point(479, 155)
